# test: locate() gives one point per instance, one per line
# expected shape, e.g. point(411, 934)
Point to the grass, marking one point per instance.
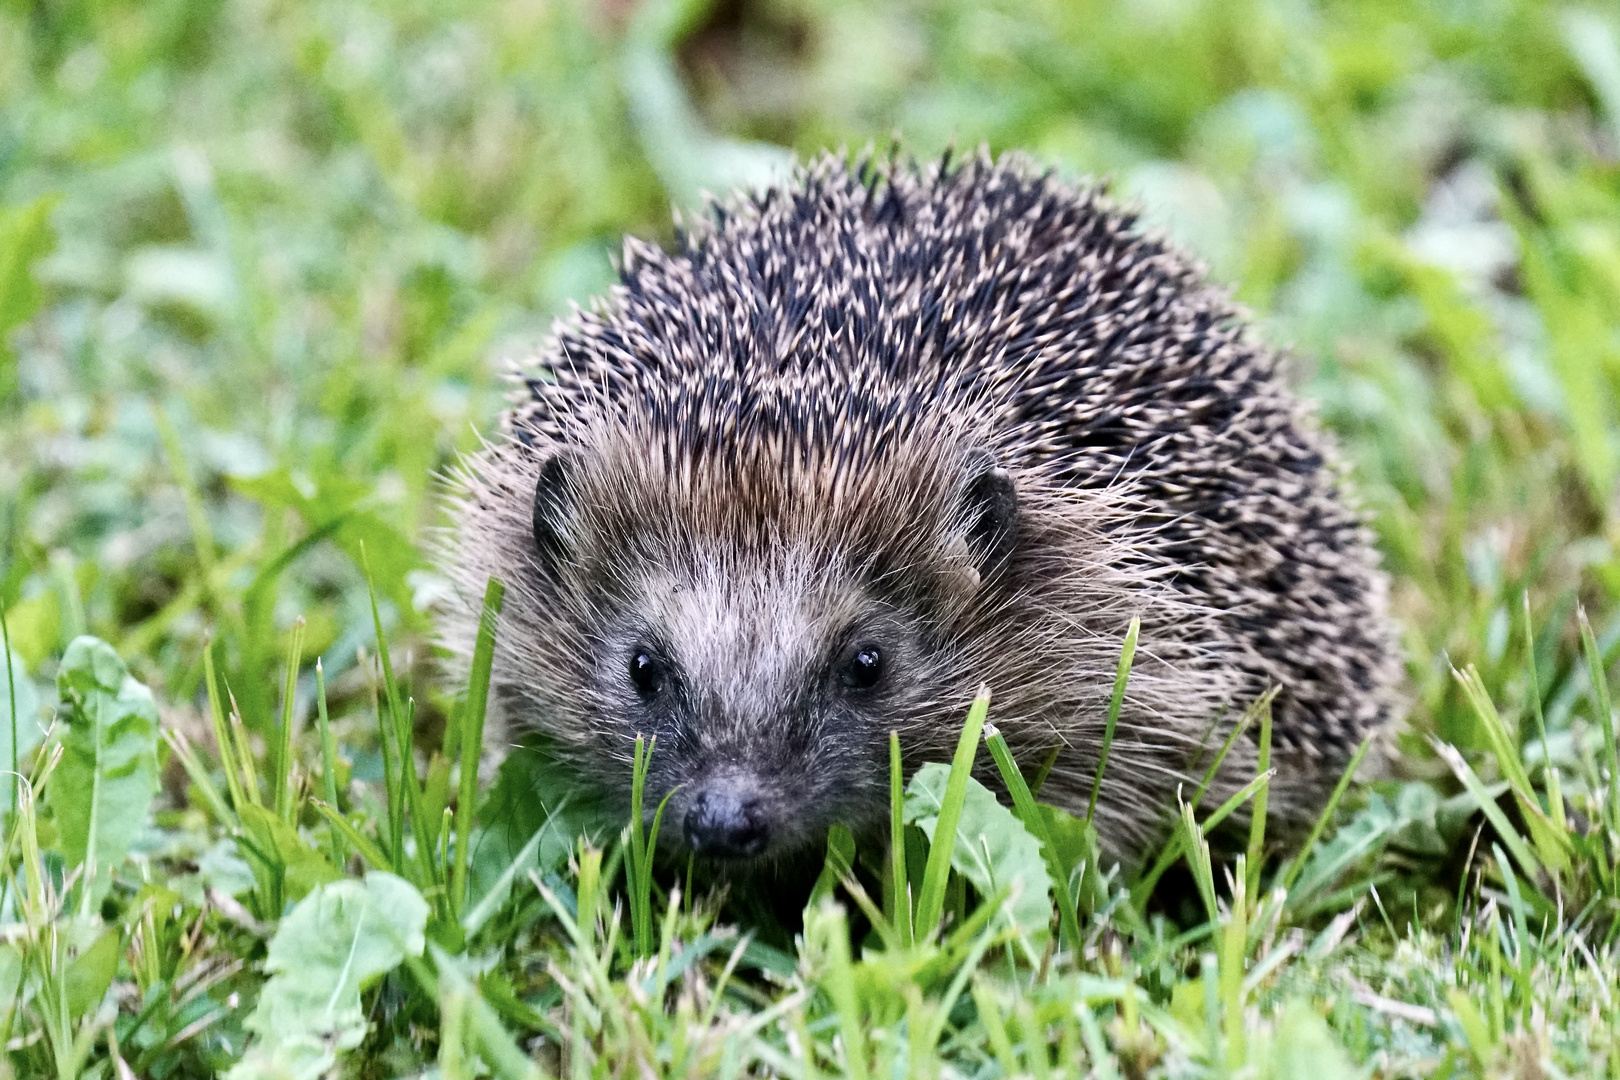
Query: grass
point(255, 261)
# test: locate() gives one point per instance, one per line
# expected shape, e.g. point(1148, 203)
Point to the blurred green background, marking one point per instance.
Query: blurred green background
point(262, 263)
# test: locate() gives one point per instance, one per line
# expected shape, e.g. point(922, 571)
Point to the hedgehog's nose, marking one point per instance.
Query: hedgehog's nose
point(726, 824)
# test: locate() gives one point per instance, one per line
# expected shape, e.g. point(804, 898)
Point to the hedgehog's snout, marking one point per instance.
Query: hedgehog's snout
point(727, 821)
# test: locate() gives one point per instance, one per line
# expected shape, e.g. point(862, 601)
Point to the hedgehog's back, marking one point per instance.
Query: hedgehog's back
point(845, 307)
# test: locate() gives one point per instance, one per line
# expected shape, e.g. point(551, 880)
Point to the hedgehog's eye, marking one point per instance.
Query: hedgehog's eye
point(646, 673)
point(862, 668)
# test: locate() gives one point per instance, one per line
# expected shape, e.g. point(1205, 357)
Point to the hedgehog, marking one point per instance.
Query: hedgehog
point(883, 433)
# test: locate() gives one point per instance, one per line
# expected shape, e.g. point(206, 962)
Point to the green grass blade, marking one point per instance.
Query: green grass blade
point(393, 799)
point(931, 898)
point(390, 726)
point(11, 691)
point(1521, 921)
point(368, 850)
point(1605, 717)
point(1045, 770)
point(1555, 803)
point(222, 734)
point(1250, 715)
point(899, 886)
point(980, 942)
point(1297, 863)
point(650, 855)
point(284, 742)
point(472, 735)
point(328, 761)
point(1257, 821)
point(390, 684)
point(839, 984)
point(1499, 821)
point(493, 1043)
point(244, 752)
point(1502, 744)
point(640, 901)
point(408, 786)
point(863, 900)
point(1552, 844)
point(199, 776)
point(1535, 681)
point(422, 829)
point(1172, 847)
point(1127, 657)
point(1196, 849)
point(1236, 799)
point(990, 1009)
point(1035, 822)
point(1233, 945)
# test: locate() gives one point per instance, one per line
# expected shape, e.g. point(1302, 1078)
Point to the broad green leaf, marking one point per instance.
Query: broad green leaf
point(29, 731)
point(337, 941)
point(91, 972)
point(992, 846)
point(529, 858)
point(101, 793)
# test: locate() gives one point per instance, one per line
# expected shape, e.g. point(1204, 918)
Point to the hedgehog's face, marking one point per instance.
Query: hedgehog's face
point(771, 677)
point(771, 695)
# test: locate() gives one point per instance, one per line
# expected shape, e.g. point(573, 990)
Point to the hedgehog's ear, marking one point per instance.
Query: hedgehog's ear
point(555, 508)
point(989, 507)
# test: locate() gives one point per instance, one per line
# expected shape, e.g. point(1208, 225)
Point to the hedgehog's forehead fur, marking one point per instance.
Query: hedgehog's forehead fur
point(643, 492)
point(772, 436)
